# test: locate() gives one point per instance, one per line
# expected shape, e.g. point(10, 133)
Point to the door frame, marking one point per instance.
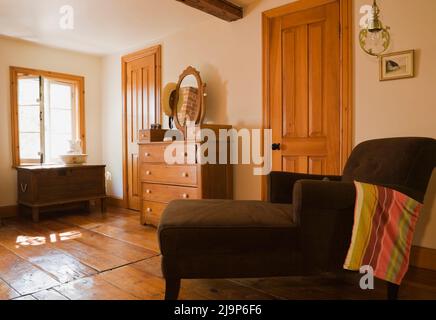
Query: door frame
point(346, 69)
point(157, 52)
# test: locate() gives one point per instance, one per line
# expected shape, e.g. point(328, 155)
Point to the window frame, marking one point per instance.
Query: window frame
point(41, 106)
point(79, 84)
point(48, 108)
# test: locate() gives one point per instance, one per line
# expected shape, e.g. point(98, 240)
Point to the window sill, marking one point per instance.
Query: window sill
point(34, 164)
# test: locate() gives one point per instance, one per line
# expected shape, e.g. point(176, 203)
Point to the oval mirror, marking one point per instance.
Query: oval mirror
point(188, 105)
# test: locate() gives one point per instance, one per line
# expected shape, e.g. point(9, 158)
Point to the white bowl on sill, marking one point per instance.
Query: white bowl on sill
point(73, 158)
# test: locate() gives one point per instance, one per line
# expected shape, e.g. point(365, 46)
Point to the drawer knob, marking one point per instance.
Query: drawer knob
point(185, 196)
point(148, 191)
point(149, 210)
point(184, 174)
point(147, 173)
point(147, 154)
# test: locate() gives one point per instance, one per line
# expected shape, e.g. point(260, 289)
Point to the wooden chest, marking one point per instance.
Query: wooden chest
point(162, 182)
point(44, 186)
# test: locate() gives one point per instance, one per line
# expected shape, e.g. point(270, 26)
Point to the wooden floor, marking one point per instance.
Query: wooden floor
point(85, 256)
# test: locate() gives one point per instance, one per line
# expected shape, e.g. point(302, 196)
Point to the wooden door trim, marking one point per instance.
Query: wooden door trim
point(347, 94)
point(157, 52)
point(294, 7)
point(346, 69)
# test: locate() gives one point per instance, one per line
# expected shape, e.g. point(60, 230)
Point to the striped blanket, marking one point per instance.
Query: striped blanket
point(384, 223)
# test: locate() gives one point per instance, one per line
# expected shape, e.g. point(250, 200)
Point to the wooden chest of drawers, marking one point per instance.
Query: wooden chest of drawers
point(162, 183)
point(45, 186)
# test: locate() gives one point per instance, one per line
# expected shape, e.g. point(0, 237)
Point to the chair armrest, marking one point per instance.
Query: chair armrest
point(324, 211)
point(281, 184)
point(313, 194)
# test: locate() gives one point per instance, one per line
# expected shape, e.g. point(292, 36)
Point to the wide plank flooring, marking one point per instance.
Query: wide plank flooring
point(85, 256)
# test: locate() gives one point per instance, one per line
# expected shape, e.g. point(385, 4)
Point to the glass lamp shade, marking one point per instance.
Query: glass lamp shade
point(374, 43)
point(375, 39)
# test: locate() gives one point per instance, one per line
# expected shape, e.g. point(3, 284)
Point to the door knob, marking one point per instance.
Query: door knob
point(276, 146)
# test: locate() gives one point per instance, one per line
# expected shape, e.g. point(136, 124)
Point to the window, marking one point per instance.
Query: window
point(47, 112)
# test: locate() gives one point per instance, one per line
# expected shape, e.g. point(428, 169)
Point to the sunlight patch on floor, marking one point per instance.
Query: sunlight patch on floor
point(26, 241)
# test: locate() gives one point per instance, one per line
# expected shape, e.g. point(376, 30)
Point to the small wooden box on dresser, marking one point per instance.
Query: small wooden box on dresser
point(50, 186)
point(162, 183)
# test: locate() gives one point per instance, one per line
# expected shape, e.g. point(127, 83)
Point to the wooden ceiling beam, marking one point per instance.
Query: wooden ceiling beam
point(222, 9)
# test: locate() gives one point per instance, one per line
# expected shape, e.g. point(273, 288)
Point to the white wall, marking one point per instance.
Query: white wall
point(112, 128)
point(23, 54)
point(229, 59)
point(401, 107)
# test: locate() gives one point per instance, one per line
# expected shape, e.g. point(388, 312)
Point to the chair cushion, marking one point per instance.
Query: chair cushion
point(225, 226)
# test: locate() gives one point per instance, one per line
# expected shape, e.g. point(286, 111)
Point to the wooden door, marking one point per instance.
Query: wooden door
point(142, 87)
point(304, 90)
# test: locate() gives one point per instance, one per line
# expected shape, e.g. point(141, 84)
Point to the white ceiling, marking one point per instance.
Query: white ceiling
point(100, 26)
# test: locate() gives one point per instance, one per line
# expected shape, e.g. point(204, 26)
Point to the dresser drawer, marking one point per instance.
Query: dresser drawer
point(152, 153)
point(151, 212)
point(169, 174)
point(165, 193)
point(155, 153)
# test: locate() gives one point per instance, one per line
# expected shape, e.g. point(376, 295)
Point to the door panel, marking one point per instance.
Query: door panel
point(294, 164)
point(141, 112)
point(316, 110)
point(317, 165)
point(304, 67)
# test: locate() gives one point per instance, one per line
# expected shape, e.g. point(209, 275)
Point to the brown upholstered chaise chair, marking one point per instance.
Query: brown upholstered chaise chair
point(305, 228)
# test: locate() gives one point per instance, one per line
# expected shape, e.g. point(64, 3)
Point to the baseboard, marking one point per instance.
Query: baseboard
point(424, 258)
point(115, 202)
point(8, 211)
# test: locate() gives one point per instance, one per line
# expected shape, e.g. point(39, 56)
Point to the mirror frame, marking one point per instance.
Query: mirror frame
point(200, 98)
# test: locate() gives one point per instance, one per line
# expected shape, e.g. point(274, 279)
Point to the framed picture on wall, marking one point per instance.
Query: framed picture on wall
point(397, 65)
